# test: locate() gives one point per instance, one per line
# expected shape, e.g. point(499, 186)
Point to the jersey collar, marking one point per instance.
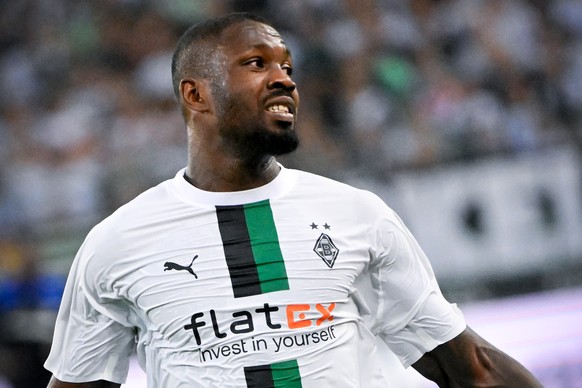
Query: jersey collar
point(282, 183)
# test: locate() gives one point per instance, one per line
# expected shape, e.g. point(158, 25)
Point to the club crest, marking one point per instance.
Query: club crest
point(326, 249)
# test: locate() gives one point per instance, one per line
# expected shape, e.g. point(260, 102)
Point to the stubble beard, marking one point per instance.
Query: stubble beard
point(249, 137)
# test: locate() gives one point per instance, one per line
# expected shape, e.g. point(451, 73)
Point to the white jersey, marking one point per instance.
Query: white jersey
point(286, 285)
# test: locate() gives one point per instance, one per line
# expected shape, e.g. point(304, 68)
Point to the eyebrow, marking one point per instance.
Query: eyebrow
point(264, 46)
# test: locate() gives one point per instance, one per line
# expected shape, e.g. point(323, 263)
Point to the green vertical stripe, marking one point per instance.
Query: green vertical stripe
point(265, 246)
point(286, 374)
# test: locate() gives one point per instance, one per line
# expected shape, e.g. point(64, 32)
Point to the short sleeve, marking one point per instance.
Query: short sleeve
point(87, 344)
point(408, 310)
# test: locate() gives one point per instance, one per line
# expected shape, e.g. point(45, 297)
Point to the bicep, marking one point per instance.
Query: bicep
point(92, 339)
point(469, 360)
point(56, 383)
point(90, 346)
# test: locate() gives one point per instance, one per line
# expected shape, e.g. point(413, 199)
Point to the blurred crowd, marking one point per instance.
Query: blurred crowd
point(88, 117)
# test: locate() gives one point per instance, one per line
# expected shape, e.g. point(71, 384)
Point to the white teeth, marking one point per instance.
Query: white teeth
point(279, 108)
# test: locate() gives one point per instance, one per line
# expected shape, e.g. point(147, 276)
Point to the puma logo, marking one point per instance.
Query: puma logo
point(178, 267)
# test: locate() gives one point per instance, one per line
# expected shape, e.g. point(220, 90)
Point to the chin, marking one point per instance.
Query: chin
point(279, 143)
point(284, 126)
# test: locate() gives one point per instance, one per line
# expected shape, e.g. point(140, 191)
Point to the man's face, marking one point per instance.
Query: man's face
point(256, 102)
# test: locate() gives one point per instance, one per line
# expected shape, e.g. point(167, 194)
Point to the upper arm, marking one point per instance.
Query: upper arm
point(92, 339)
point(469, 360)
point(55, 383)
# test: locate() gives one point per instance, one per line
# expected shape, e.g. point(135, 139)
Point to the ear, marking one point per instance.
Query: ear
point(193, 94)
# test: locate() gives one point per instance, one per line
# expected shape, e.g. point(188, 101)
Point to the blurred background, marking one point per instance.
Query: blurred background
point(463, 115)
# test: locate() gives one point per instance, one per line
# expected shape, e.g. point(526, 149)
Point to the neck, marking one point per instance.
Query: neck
point(231, 175)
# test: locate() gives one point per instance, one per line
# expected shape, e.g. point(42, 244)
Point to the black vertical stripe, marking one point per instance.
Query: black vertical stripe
point(259, 376)
point(238, 251)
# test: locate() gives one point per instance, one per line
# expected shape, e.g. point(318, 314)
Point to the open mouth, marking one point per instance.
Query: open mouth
point(279, 109)
point(281, 112)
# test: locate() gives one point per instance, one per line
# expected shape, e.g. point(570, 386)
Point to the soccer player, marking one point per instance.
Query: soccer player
point(239, 272)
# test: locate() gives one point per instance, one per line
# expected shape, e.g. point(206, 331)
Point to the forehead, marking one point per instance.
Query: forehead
point(250, 34)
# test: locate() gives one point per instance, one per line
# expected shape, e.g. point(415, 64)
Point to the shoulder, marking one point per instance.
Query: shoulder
point(126, 225)
point(354, 203)
point(132, 211)
point(326, 186)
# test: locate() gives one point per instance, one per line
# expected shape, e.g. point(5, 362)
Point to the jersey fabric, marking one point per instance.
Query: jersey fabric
point(285, 285)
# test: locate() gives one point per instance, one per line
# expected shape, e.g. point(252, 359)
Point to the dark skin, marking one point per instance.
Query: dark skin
point(257, 72)
point(469, 361)
point(257, 67)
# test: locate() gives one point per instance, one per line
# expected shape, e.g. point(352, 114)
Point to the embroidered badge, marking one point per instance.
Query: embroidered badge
point(326, 249)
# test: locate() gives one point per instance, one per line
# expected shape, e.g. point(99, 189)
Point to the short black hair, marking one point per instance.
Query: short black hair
point(197, 46)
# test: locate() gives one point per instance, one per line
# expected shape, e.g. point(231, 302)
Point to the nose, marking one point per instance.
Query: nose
point(280, 79)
